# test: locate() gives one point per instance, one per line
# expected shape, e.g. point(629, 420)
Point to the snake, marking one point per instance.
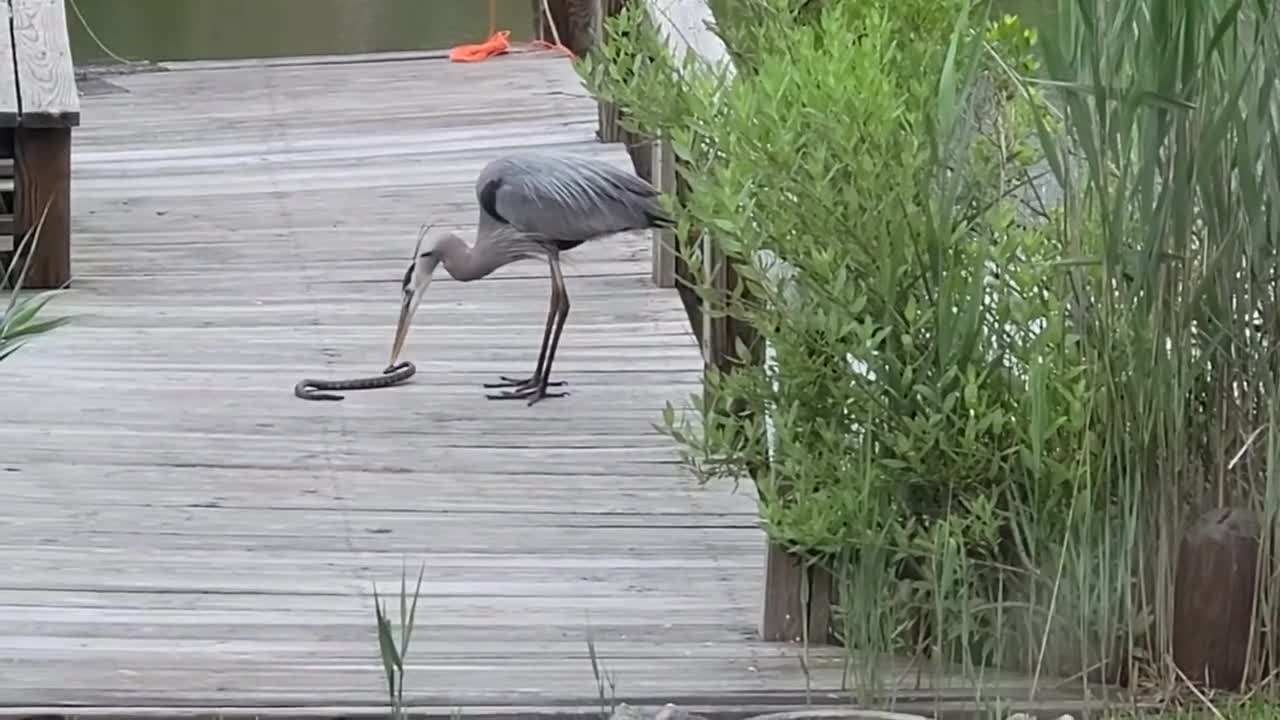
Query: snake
point(392, 375)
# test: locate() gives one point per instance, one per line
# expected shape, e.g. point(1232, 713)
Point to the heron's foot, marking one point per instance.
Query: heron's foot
point(521, 384)
point(532, 394)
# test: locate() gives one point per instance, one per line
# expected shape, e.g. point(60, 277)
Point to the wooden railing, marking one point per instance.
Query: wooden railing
point(793, 593)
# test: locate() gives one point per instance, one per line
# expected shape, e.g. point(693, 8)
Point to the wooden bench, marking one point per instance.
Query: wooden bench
point(39, 104)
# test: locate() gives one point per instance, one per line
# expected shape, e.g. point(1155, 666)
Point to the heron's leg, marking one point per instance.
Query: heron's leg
point(562, 314)
point(539, 391)
point(532, 381)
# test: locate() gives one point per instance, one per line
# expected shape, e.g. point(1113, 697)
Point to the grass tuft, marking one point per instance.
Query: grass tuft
point(21, 318)
point(394, 657)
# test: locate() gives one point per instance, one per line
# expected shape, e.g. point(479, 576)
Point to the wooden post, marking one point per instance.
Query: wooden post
point(576, 21)
point(610, 128)
point(42, 159)
point(794, 591)
point(47, 106)
point(1213, 597)
point(663, 171)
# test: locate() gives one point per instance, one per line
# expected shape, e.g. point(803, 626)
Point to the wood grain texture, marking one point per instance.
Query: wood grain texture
point(42, 157)
point(182, 537)
point(684, 25)
point(1215, 595)
point(8, 80)
point(46, 74)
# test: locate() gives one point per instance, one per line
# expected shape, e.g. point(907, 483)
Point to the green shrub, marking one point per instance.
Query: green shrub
point(867, 148)
point(976, 400)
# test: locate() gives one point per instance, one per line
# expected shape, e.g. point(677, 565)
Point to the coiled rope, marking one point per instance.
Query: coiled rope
point(499, 41)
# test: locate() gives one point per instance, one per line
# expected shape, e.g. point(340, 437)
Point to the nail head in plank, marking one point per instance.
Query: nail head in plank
point(45, 71)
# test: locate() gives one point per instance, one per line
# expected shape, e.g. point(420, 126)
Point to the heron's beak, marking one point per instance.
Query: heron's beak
point(417, 280)
point(408, 306)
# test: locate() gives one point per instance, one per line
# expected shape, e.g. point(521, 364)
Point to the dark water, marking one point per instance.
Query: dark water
point(218, 29)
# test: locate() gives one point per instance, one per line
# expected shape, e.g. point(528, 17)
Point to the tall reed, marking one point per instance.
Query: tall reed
point(1170, 161)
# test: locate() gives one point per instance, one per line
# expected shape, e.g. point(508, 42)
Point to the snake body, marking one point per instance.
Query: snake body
point(392, 375)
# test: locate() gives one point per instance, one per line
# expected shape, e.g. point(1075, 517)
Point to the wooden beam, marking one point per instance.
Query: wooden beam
point(44, 176)
point(47, 94)
point(663, 170)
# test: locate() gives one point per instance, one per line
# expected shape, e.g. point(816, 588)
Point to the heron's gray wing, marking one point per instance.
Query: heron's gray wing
point(569, 198)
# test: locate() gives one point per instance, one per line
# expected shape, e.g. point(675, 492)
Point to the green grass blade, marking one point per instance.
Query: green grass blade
point(33, 328)
point(8, 348)
point(413, 611)
point(386, 646)
point(21, 312)
point(404, 627)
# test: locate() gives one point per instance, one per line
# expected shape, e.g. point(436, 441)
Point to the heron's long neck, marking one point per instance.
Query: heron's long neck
point(464, 262)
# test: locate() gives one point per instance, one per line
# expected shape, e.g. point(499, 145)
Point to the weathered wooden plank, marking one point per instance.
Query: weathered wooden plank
point(8, 81)
point(312, 60)
point(8, 119)
point(47, 92)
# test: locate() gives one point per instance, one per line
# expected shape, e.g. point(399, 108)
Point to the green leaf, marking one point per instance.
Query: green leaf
point(386, 646)
point(413, 612)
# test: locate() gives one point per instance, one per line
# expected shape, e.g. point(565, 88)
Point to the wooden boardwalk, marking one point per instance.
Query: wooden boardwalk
point(180, 535)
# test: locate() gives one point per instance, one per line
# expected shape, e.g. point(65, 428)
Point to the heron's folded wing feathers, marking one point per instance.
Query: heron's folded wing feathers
point(568, 198)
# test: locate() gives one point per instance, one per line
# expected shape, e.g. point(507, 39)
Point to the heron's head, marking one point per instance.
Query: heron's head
point(414, 286)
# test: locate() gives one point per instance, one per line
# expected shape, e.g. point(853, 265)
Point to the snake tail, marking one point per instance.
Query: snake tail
point(394, 374)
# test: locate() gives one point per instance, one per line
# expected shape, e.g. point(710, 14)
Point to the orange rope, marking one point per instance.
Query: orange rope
point(499, 42)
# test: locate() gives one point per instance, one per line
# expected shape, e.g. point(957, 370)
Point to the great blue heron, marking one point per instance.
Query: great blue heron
point(532, 205)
